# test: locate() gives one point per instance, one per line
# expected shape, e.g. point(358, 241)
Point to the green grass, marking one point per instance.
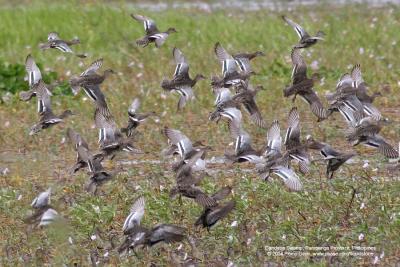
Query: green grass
point(266, 213)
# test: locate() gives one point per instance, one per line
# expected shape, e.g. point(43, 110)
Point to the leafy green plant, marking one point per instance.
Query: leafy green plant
point(12, 79)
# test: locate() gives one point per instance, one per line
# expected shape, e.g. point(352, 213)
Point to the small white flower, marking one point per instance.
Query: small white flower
point(284, 237)
point(366, 164)
point(70, 240)
point(93, 237)
point(376, 260)
point(63, 140)
point(96, 208)
point(248, 242)
point(362, 206)
point(230, 238)
point(105, 254)
point(68, 73)
point(19, 197)
point(180, 247)
point(234, 224)
point(315, 65)
point(361, 237)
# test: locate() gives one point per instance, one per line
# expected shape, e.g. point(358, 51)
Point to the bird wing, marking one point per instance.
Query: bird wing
point(274, 139)
point(247, 99)
point(293, 131)
point(344, 81)
point(42, 200)
point(356, 75)
point(186, 93)
point(149, 25)
point(159, 38)
point(63, 47)
point(219, 213)
point(76, 139)
point(243, 64)
point(222, 193)
point(134, 106)
point(222, 95)
point(371, 111)
point(299, 72)
point(105, 122)
point(229, 65)
point(177, 138)
point(93, 67)
point(299, 30)
point(182, 67)
point(242, 138)
point(315, 104)
point(290, 178)
point(167, 233)
point(135, 215)
point(34, 74)
point(43, 98)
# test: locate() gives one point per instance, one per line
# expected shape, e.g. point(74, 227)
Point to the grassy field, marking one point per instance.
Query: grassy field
point(267, 214)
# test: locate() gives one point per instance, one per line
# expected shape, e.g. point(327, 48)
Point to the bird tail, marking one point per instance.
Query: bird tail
point(142, 42)
point(81, 55)
point(75, 41)
point(320, 34)
point(26, 95)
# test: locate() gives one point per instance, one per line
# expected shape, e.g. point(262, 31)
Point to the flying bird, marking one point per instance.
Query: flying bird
point(181, 81)
point(135, 118)
point(47, 117)
point(54, 41)
point(153, 35)
point(305, 39)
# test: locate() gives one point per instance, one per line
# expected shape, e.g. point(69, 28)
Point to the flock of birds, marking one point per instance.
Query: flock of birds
point(232, 91)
